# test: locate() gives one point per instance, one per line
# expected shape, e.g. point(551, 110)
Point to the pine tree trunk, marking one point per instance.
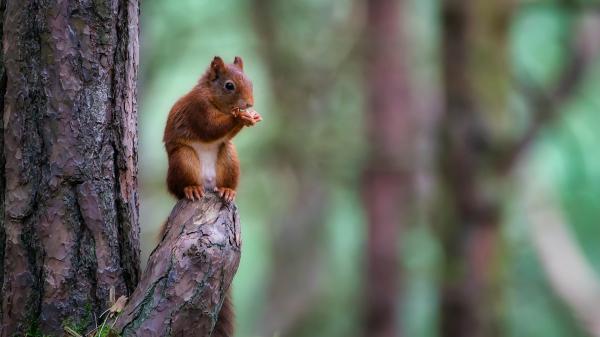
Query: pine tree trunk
point(70, 219)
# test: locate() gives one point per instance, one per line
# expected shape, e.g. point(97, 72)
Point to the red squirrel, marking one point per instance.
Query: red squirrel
point(199, 130)
point(198, 137)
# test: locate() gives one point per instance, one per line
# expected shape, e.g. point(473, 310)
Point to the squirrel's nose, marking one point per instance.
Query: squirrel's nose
point(245, 105)
point(246, 102)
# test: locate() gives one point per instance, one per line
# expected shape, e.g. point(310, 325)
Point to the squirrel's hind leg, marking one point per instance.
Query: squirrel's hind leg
point(183, 177)
point(228, 172)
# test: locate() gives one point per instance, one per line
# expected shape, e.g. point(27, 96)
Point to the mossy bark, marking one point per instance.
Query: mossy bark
point(188, 274)
point(70, 227)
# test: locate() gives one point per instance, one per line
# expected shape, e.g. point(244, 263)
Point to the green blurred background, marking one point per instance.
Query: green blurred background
point(304, 226)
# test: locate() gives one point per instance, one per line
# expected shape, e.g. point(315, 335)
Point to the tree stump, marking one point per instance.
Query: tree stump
point(188, 273)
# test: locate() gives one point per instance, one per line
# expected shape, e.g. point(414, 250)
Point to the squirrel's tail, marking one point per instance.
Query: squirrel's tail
point(224, 327)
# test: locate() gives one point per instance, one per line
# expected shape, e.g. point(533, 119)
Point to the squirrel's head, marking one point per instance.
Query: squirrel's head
point(228, 87)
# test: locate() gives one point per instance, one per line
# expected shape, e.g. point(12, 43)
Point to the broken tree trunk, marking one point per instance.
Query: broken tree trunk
point(188, 274)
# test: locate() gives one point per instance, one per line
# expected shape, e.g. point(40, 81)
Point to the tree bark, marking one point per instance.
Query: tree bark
point(184, 285)
point(70, 222)
point(388, 176)
point(2, 159)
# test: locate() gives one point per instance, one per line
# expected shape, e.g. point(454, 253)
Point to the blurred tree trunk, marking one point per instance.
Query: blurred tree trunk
point(387, 178)
point(476, 80)
point(70, 220)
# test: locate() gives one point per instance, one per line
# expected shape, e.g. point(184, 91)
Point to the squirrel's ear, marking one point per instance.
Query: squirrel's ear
point(217, 66)
point(238, 62)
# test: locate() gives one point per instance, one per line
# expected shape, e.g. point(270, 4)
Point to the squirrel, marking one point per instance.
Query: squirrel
point(199, 130)
point(198, 137)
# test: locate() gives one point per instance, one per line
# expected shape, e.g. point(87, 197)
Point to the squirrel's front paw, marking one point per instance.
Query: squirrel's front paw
point(249, 118)
point(194, 192)
point(228, 194)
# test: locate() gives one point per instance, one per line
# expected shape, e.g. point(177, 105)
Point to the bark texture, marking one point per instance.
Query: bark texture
point(387, 179)
point(185, 283)
point(2, 160)
point(70, 230)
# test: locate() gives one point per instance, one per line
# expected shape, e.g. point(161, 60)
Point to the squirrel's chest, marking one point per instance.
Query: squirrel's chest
point(207, 155)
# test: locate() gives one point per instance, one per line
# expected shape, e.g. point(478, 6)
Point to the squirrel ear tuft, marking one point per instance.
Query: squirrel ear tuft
point(238, 62)
point(217, 66)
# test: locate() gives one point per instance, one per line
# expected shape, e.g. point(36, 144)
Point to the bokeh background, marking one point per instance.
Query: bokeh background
point(424, 167)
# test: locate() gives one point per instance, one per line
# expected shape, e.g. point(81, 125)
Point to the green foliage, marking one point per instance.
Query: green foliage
point(105, 331)
point(80, 325)
point(178, 40)
point(539, 37)
point(34, 331)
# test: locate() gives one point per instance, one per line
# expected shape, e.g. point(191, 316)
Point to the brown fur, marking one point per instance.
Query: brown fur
point(210, 112)
point(183, 169)
point(229, 170)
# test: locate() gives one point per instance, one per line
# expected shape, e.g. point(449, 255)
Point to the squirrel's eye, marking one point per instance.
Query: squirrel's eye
point(229, 86)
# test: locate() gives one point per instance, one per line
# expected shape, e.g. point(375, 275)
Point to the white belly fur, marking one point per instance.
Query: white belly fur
point(207, 154)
